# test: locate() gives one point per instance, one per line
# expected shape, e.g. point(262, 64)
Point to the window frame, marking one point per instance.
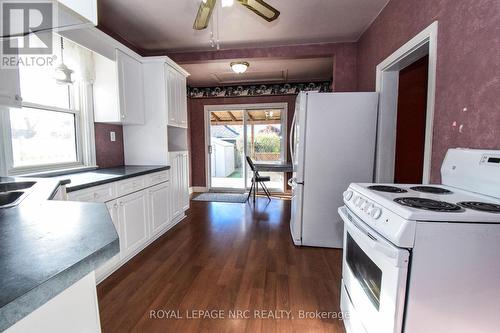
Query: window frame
point(84, 134)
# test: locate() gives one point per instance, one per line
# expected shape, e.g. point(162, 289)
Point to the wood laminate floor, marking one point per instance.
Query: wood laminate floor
point(225, 257)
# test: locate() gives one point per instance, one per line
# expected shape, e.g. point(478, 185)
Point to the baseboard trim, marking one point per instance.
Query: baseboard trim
point(197, 189)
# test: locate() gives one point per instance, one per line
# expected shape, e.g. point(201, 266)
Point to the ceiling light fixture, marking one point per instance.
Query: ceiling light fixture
point(227, 3)
point(62, 73)
point(239, 67)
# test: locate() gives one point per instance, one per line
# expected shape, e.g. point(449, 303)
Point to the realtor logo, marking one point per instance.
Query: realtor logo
point(26, 27)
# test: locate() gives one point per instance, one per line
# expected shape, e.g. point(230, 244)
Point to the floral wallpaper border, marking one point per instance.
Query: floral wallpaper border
point(258, 90)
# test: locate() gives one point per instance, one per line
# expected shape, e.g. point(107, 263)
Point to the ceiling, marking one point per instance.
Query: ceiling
point(235, 117)
point(215, 73)
point(167, 24)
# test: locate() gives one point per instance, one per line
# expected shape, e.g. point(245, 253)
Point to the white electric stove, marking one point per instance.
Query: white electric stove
point(425, 258)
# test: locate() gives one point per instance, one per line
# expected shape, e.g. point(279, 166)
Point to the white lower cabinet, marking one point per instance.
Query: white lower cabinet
point(179, 162)
point(73, 310)
point(184, 180)
point(159, 207)
point(112, 263)
point(175, 168)
point(133, 219)
point(141, 210)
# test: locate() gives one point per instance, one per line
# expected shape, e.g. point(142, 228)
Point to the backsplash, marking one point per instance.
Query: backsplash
point(108, 153)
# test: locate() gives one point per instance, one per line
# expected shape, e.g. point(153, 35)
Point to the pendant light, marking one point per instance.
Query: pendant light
point(62, 72)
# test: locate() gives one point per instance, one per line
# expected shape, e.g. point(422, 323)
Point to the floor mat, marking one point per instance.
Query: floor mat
point(222, 197)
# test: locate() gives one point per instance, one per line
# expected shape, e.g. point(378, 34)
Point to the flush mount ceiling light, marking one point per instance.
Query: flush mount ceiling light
point(239, 67)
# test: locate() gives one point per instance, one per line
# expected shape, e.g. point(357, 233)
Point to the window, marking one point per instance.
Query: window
point(53, 130)
point(42, 137)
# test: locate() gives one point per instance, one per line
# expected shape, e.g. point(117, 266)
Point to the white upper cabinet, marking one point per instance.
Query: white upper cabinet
point(63, 15)
point(118, 90)
point(86, 9)
point(131, 88)
point(176, 97)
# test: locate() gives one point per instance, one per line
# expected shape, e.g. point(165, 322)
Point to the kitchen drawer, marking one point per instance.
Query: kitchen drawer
point(157, 178)
point(128, 186)
point(102, 193)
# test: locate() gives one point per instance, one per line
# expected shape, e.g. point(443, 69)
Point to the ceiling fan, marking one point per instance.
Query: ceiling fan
point(259, 7)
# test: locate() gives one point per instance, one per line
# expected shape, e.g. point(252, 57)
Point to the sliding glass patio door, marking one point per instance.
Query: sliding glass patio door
point(265, 143)
point(227, 150)
point(234, 134)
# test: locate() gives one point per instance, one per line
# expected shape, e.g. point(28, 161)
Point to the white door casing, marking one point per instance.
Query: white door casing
point(424, 43)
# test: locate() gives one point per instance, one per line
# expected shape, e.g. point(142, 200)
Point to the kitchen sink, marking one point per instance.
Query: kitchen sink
point(8, 199)
point(12, 192)
point(15, 186)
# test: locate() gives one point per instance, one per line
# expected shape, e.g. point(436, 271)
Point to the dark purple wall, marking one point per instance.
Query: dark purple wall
point(108, 154)
point(468, 66)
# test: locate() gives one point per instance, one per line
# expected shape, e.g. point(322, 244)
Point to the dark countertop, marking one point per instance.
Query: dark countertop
point(86, 179)
point(46, 246)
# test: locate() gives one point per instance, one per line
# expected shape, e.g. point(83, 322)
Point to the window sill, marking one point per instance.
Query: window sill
point(61, 172)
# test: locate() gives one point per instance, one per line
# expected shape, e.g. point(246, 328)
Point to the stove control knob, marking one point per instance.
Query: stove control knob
point(376, 213)
point(348, 195)
point(368, 207)
point(360, 202)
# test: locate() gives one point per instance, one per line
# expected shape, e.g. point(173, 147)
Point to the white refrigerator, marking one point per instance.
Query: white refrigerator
point(332, 144)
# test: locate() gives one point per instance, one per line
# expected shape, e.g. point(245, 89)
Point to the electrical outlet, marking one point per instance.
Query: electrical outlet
point(112, 136)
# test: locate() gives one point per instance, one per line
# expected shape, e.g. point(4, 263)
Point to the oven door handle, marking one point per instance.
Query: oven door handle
point(397, 256)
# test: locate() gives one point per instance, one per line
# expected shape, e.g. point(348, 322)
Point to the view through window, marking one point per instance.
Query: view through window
point(45, 132)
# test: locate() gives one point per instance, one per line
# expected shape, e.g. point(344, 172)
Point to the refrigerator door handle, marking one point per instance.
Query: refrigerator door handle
point(292, 182)
point(292, 131)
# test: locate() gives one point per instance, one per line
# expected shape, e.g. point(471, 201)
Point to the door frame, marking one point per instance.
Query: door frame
point(387, 80)
point(253, 106)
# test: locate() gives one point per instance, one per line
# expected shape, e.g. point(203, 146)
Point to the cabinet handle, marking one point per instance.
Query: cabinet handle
point(115, 205)
point(18, 98)
point(121, 204)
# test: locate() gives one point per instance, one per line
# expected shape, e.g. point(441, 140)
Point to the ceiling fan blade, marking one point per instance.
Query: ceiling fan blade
point(261, 8)
point(204, 13)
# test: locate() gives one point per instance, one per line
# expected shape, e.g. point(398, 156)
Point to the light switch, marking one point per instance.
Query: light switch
point(112, 136)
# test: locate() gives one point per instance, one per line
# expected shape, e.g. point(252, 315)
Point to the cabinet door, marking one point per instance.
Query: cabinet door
point(131, 89)
point(185, 181)
point(105, 90)
point(175, 169)
point(133, 217)
point(183, 119)
point(10, 88)
point(84, 8)
point(171, 96)
point(109, 265)
point(159, 207)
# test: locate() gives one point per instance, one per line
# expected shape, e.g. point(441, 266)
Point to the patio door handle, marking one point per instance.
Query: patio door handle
point(210, 149)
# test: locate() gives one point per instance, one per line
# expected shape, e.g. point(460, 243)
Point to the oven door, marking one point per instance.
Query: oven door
point(374, 273)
